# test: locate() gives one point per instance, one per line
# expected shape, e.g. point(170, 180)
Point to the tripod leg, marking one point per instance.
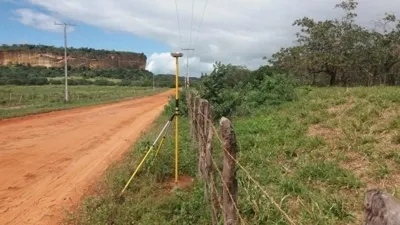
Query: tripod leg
point(144, 158)
point(162, 140)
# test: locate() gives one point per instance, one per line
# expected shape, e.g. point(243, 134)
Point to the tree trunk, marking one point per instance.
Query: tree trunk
point(392, 79)
point(314, 79)
point(332, 82)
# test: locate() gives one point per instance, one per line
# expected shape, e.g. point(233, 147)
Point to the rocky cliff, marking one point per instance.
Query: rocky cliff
point(97, 59)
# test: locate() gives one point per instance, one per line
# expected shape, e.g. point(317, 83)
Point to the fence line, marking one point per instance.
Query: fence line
point(202, 130)
point(229, 201)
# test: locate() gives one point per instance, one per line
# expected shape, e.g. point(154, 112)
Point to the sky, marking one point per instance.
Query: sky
point(231, 31)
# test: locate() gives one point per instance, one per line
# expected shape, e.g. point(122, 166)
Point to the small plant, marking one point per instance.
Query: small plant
point(396, 139)
point(329, 173)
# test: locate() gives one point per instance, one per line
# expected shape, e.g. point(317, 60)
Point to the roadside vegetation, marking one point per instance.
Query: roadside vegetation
point(316, 156)
point(19, 74)
point(315, 150)
point(24, 100)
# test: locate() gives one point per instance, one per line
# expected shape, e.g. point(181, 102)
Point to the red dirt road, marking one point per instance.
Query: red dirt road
point(48, 161)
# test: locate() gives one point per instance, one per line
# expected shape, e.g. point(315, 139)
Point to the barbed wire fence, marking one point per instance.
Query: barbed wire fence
point(217, 175)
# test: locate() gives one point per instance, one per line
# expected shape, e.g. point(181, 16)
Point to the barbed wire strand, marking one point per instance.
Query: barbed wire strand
point(191, 26)
point(201, 22)
point(179, 26)
point(226, 187)
point(219, 202)
point(254, 181)
point(248, 173)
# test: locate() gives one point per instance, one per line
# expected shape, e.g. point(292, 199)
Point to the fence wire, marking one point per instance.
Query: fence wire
point(194, 113)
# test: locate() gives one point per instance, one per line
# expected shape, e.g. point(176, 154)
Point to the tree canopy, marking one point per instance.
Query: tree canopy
point(342, 52)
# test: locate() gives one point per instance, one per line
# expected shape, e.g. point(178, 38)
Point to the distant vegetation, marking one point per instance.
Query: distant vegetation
point(60, 50)
point(25, 100)
point(18, 74)
point(342, 52)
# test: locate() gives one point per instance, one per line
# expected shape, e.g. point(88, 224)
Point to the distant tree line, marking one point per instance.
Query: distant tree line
point(60, 50)
point(341, 52)
point(19, 74)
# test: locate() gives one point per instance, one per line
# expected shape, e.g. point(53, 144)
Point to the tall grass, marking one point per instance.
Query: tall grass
point(315, 156)
point(25, 100)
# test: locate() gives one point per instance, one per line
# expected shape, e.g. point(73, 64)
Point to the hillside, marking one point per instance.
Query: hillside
point(48, 56)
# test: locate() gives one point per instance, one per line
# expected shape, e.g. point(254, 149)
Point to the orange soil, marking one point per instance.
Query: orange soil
point(48, 161)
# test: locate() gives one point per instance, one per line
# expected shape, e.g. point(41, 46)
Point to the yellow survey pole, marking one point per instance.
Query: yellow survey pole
point(176, 56)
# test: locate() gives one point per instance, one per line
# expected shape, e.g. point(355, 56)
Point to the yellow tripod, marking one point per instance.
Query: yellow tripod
point(176, 56)
point(164, 130)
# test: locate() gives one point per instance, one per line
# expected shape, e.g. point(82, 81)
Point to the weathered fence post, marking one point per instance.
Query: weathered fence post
point(196, 103)
point(191, 99)
point(381, 208)
point(202, 115)
point(230, 187)
point(209, 171)
point(200, 118)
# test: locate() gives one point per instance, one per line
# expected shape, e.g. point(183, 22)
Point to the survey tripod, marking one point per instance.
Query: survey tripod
point(164, 130)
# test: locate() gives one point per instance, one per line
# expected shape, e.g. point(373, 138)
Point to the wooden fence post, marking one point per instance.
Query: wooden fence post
point(381, 208)
point(190, 100)
point(230, 187)
point(201, 137)
point(209, 170)
point(196, 103)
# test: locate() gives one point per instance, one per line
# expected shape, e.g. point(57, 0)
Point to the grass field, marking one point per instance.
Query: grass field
point(316, 156)
point(24, 100)
point(80, 77)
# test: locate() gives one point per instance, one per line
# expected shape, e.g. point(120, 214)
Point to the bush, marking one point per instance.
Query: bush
point(72, 82)
point(3, 81)
point(14, 81)
point(125, 83)
point(183, 109)
point(103, 82)
point(56, 82)
point(84, 82)
point(234, 90)
point(41, 81)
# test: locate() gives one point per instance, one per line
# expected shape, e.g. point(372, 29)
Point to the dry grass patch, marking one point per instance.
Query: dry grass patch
point(328, 134)
point(338, 109)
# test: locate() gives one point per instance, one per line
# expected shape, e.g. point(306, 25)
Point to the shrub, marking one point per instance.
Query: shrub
point(3, 81)
point(15, 81)
point(170, 107)
point(103, 82)
point(41, 81)
point(237, 90)
point(125, 83)
point(56, 82)
point(84, 82)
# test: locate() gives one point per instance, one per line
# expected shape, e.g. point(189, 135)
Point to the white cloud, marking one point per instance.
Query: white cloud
point(164, 63)
point(233, 31)
point(39, 20)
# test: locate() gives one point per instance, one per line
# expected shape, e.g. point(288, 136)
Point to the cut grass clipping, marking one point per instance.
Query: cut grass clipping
point(315, 156)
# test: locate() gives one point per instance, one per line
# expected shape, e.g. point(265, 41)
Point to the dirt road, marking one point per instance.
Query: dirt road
point(47, 161)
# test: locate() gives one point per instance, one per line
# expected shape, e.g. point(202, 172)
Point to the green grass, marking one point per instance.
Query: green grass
point(115, 80)
point(315, 156)
point(24, 100)
point(148, 200)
